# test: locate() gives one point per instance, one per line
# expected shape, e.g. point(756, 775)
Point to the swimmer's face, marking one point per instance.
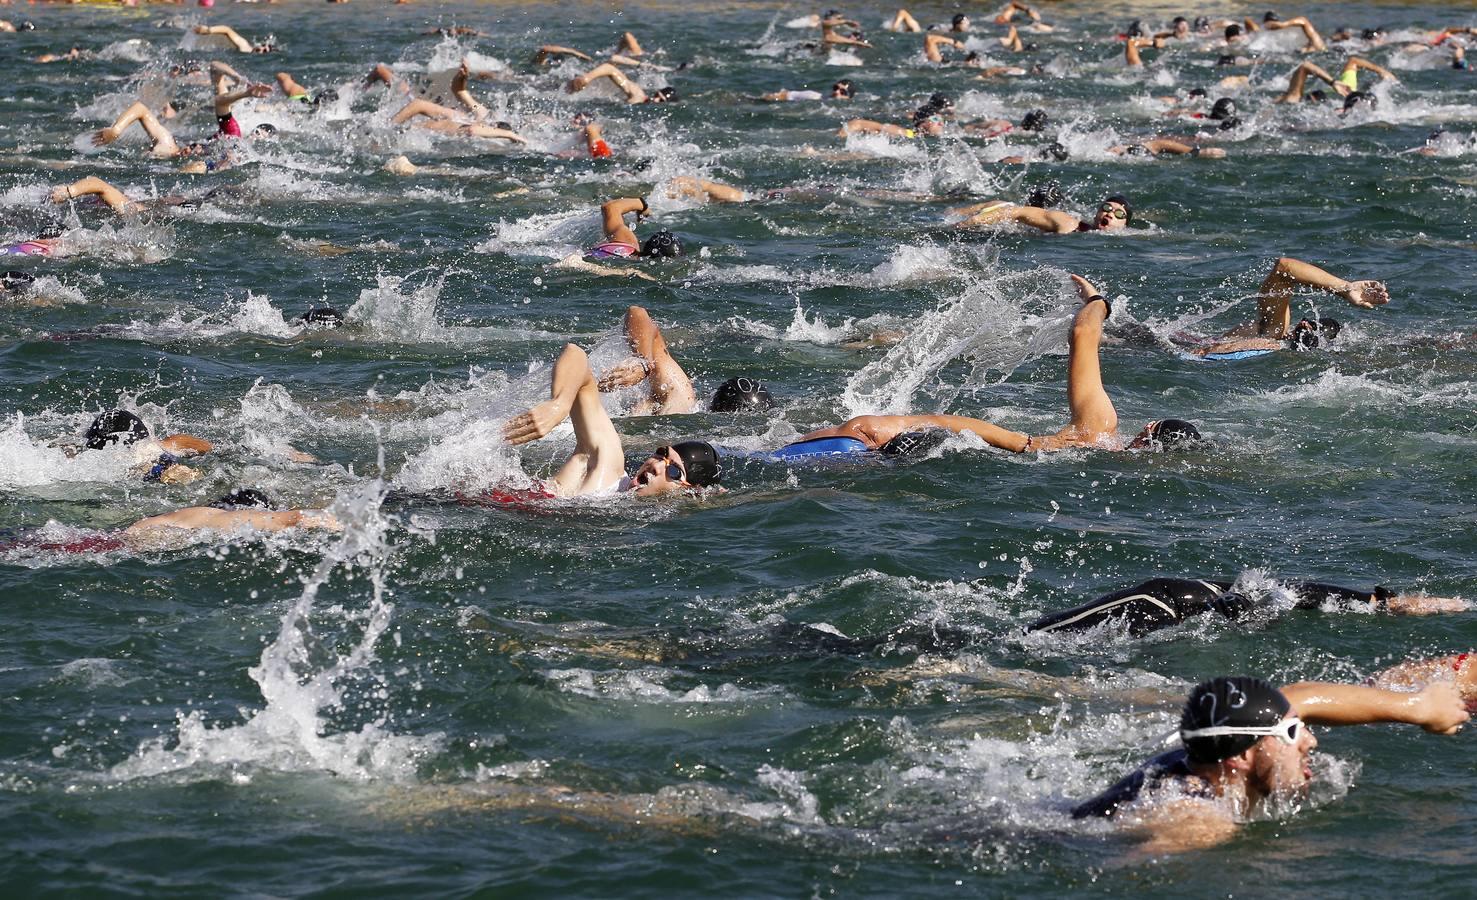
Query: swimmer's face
point(1182, 29)
point(661, 473)
point(1111, 216)
point(961, 23)
point(932, 126)
point(1282, 769)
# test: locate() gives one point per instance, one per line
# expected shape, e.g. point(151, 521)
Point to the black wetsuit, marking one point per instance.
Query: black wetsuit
point(1165, 766)
point(1162, 602)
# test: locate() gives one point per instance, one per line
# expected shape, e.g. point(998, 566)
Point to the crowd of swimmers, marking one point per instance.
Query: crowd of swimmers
point(1241, 739)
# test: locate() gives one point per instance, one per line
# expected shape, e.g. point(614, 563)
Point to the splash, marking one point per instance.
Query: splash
point(303, 676)
point(391, 312)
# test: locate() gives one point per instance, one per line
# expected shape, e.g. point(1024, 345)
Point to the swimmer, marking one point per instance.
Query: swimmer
point(295, 91)
point(830, 22)
point(1113, 214)
point(633, 91)
point(549, 54)
point(117, 201)
point(166, 147)
point(1162, 602)
point(72, 55)
point(928, 121)
point(1274, 300)
point(1132, 46)
point(669, 390)
point(1094, 421)
point(1345, 85)
point(1167, 147)
point(903, 21)
point(1035, 120)
point(932, 43)
point(841, 90)
point(224, 99)
point(621, 242)
point(241, 510)
point(241, 44)
point(155, 459)
point(15, 282)
point(1245, 742)
point(597, 466)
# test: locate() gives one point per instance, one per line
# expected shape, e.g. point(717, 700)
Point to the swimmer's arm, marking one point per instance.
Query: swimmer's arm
point(613, 214)
point(1437, 708)
point(186, 445)
point(224, 102)
point(227, 32)
point(698, 188)
point(549, 50)
point(110, 195)
point(990, 433)
point(1359, 62)
point(290, 86)
point(219, 72)
point(1043, 219)
point(464, 96)
point(1182, 825)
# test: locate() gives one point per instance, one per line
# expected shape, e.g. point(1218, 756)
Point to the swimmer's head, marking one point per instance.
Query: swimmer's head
point(1358, 97)
point(327, 95)
point(1374, 35)
point(1271, 17)
point(1229, 704)
point(1045, 196)
point(1233, 34)
point(1114, 212)
point(1035, 120)
point(1226, 59)
point(1202, 24)
point(914, 443)
point(1055, 150)
point(843, 90)
point(321, 317)
point(663, 95)
point(662, 244)
point(264, 131)
point(1198, 92)
point(1181, 26)
point(1307, 334)
point(16, 280)
point(115, 427)
point(940, 102)
point(1317, 96)
point(1228, 124)
point(244, 498)
point(505, 126)
point(1166, 434)
point(26, 26)
point(685, 465)
point(1135, 29)
point(265, 47)
point(1224, 108)
point(960, 22)
point(739, 394)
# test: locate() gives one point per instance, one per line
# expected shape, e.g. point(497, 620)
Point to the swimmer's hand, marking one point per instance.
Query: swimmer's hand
point(1084, 287)
point(536, 423)
point(178, 474)
point(1366, 294)
point(259, 90)
point(298, 456)
point(1439, 708)
point(102, 138)
point(626, 374)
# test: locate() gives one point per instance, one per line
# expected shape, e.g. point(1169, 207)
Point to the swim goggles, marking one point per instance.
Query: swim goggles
point(1285, 731)
point(674, 471)
point(1116, 212)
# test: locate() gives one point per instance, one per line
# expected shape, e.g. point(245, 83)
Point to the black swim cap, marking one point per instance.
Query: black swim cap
point(1167, 434)
point(506, 126)
point(1370, 34)
point(1228, 124)
point(1035, 120)
point(1179, 19)
point(958, 18)
point(1239, 702)
point(1123, 202)
point(1307, 333)
point(664, 95)
point(326, 316)
point(741, 393)
point(940, 100)
point(244, 497)
point(266, 128)
point(16, 279)
point(1271, 17)
point(663, 243)
point(27, 26)
point(1358, 97)
point(1045, 196)
point(1233, 31)
point(1226, 59)
point(1199, 92)
point(701, 462)
point(1055, 150)
point(1224, 108)
point(1135, 29)
point(115, 427)
point(50, 231)
point(327, 95)
point(914, 443)
point(1202, 23)
point(1317, 96)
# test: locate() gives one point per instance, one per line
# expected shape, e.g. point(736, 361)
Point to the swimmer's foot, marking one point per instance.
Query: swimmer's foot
point(1366, 294)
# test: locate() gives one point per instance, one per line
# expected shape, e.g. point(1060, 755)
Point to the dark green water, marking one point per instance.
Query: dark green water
point(599, 698)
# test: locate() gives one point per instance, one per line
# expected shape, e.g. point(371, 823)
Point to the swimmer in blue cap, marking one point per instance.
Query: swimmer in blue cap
point(1244, 741)
point(597, 466)
point(1094, 421)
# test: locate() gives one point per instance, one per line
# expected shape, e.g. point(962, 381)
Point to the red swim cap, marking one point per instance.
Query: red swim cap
point(600, 149)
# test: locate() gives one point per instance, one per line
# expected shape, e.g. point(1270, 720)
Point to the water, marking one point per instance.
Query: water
point(591, 698)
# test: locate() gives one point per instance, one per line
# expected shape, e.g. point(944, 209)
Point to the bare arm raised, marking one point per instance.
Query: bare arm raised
point(598, 461)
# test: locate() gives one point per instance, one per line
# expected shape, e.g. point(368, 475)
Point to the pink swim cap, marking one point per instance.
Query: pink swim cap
point(207, 2)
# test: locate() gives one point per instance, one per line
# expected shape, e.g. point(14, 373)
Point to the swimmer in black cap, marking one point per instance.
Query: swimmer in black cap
point(1273, 328)
point(1313, 41)
point(1094, 421)
point(321, 317)
point(157, 460)
point(1244, 741)
point(244, 509)
point(621, 242)
point(1162, 602)
point(740, 395)
point(669, 390)
point(15, 282)
point(1113, 213)
point(597, 466)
